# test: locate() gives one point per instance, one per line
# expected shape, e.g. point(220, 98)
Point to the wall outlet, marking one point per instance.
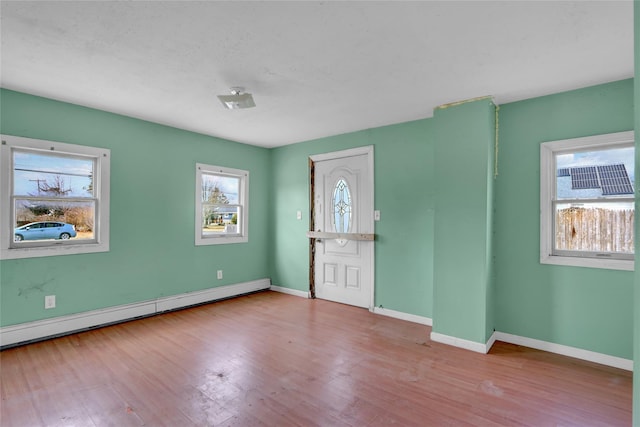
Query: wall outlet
point(50, 301)
point(219, 274)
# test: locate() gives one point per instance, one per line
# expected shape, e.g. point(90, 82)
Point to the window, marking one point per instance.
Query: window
point(221, 205)
point(587, 201)
point(55, 198)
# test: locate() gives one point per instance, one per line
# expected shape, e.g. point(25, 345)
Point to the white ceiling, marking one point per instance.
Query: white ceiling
point(315, 69)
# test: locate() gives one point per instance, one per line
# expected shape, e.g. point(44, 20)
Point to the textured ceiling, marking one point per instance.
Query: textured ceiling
point(315, 69)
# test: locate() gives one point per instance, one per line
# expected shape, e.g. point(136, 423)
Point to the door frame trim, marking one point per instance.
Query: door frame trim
point(351, 152)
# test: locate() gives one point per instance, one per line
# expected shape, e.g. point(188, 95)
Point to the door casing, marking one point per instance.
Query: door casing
point(358, 151)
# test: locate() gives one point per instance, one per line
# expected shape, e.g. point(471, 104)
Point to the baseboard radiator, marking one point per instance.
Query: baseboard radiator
point(24, 333)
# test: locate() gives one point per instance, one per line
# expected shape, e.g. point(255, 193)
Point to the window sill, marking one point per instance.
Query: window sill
point(220, 240)
point(54, 250)
point(610, 264)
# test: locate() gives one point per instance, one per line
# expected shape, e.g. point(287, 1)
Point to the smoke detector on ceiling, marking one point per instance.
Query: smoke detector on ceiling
point(237, 100)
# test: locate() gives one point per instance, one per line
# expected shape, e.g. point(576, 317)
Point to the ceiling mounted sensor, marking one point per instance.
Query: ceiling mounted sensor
point(237, 99)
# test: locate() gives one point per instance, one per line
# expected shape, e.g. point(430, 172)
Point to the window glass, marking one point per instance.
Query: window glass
point(598, 215)
point(595, 227)
point(52, 187)
point(595, 174)
point(44, 174)
point(220, 207)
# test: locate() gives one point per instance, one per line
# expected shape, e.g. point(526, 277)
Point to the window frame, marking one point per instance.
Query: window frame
point(243, 203)
point(33, 249)
point(548, 172)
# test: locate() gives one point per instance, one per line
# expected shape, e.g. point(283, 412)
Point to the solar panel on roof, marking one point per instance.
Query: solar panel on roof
point(614, 180)
point(584, 177)
point(563, 172)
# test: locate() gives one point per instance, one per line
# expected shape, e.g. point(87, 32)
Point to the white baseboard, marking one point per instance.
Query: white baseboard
point(578, 353)
point(289, 291)
point(462, 343)
point(491, 341)
point(40, 329)
point(402, 316)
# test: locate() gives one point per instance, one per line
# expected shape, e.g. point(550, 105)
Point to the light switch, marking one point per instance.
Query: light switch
point(376, 215)
point(299, 215)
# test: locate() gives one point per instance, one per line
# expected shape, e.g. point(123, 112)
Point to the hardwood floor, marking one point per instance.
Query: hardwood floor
point(277, 360)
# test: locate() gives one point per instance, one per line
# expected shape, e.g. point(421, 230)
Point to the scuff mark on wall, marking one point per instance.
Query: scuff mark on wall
point(35, 287)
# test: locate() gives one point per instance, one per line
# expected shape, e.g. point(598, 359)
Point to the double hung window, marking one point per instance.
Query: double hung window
point(221, 205)
point(55, 198)
point(587, 201)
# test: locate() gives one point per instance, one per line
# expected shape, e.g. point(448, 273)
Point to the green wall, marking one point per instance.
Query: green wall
point(403, 193)
point(152, 215)
point(585, 308)
point(464, 176)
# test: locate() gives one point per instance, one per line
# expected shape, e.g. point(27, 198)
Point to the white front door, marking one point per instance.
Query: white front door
point(343, 203)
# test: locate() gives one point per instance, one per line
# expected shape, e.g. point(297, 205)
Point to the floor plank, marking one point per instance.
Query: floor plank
point(270, 359)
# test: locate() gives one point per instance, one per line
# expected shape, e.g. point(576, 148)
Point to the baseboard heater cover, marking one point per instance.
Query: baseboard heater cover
point(24, 333)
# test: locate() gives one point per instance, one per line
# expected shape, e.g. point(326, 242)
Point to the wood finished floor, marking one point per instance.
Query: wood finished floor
point(277, 360)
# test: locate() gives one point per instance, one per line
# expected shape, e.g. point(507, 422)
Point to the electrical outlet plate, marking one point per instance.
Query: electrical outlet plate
point(50, 301)
point(219, 274)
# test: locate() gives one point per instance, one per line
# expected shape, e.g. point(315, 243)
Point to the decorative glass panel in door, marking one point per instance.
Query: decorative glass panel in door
point(342, 207)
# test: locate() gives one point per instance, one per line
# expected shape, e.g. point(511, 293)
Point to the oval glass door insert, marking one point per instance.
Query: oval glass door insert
point(342, 207)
